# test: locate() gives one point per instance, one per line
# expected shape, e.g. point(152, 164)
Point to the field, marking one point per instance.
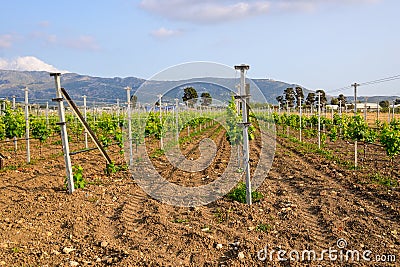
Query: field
point(312, 200)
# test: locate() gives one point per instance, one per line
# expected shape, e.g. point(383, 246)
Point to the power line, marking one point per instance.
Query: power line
point(382, 80)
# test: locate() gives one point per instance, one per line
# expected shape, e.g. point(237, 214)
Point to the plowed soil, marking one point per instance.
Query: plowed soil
point(309, 204)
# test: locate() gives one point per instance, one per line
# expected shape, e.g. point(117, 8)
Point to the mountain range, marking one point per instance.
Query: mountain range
point(107, 90)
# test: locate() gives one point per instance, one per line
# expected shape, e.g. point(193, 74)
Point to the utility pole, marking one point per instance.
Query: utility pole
point(243, 97)
point(355, 85)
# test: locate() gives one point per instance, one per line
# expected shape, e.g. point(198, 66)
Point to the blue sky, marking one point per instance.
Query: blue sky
point(318, 44)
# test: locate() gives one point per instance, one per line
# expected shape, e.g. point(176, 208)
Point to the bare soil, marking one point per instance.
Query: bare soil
point(309, 203)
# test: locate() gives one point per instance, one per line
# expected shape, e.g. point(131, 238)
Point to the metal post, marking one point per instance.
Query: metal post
point(340, 108)
point(319, 120)
point(300, 116)
point(365, 109)
point(355, 114)
point(161, 139)
point(28, 150)
point(393, 111)
point(118, 111)
point(177, 118)
point(85, 117)
point(246, 147)
point(64, 134)
point(13, 102)
point(47, 114)
point(377, 112)
point(128, 98)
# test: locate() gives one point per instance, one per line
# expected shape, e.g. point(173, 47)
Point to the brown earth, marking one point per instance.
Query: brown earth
point(309, 203)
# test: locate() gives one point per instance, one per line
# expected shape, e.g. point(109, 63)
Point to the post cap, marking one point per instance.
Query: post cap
point(242, 66)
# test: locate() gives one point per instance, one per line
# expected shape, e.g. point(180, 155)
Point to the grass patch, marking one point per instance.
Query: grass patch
point(157, 153)
point(263, 227)
point(377, 178)
point(180, 221)
point(239, 194)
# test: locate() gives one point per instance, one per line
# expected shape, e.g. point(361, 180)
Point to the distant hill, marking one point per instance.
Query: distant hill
point(41, 86)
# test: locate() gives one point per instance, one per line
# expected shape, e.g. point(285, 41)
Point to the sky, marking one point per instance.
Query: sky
point(318, 44)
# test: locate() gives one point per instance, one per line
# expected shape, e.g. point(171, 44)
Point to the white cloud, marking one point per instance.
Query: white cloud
point(205, 11)
point(209, 11)
point(6, 40)
point(83, 42)
point(165, 33)
point(27, 63)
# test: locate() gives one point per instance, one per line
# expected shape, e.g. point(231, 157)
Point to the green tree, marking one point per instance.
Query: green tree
point(190, 96)
point(343, 99)
point(133, 101)
point(206, 99)
point(299, 95)
point(334, 101)
point(290, 96)
point(384, 104)
point(281, 100)
point(322, 97)
point(310, 100)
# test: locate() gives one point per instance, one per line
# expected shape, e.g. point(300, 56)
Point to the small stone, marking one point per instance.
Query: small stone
point(219, 246)
point(98, 260)
point(241, 255)
point(362, 209)
point(3, 245)
point(73, 263)
point(55, 252)
point(104, 244)
point(67, 250)
point(49, 233)
point(2, 263)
